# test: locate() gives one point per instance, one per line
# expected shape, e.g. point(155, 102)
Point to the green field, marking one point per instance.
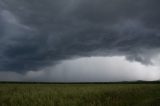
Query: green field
point(79, 94)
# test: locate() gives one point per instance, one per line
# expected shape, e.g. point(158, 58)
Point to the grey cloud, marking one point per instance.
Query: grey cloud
point(10, 76)
point(85, 70)
point(37, 33)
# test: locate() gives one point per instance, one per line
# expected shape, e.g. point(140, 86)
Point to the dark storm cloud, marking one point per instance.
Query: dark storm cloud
point(37, 33)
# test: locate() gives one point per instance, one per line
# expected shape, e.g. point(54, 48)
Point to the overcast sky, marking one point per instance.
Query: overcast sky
point(79, 40)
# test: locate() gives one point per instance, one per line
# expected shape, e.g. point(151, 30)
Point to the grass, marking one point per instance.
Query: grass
point(79, 94)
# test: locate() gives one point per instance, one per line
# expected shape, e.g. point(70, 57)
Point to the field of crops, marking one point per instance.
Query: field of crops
point(79, 95)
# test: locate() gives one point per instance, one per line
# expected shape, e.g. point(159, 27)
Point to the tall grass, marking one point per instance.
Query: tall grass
point(79, 95)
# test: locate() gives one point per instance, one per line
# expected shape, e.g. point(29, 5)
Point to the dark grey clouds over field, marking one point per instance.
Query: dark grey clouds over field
point(40, 35)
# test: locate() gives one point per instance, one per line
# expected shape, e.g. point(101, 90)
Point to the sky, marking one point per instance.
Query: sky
point(79, 40)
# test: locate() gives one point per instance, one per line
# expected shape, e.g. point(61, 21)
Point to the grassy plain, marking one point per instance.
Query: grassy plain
point(79, 94)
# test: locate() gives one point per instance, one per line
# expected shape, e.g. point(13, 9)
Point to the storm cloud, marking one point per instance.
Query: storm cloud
point(89, 69)
point(35, 34)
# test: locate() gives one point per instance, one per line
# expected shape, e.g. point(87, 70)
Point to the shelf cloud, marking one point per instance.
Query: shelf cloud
point(35, 34)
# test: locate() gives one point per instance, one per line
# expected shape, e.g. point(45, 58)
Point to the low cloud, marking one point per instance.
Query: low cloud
point(90, 69)
point(38, 34)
